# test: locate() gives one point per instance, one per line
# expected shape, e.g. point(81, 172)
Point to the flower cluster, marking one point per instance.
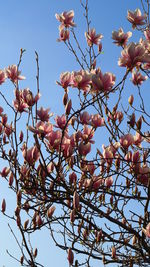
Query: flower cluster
point(92, 82)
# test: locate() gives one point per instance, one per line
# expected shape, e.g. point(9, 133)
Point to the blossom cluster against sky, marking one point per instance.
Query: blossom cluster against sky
point(31, 25)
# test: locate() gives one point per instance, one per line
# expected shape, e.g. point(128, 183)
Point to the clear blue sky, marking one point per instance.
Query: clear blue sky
point(31, 24)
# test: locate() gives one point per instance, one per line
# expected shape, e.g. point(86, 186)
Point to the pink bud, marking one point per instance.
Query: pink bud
point(100, 47)
point(18, 220)
point(72, 178)
point(4, 119)
point(113, 252)
point(3, 205)
point(65, 99)
point(108, 181)
point(68, 107)
point(39, 220)
point(130, 100)
point(50, 211)
point(70, 256)
point(11, 179)
point(21, 136)
point(72, 216)
point(76, 200)
point(35, 253)
point(5, 171)
point(26, 224)
point(19, 195)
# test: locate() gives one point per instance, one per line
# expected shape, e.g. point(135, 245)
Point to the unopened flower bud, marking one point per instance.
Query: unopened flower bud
point(134, 240)
point(130, 100)
point(3, 205)
point(26, 224)
point(68, 107)
point(18, 220)
point(70, 256)
point(35, 253)
point(19, 195)
point(72, 216)
point(21, 260)
point(50, 211)
point(39, 220)
point(139, 123)
point(21, 136)
point(65, 99)
point(113, 252)
point(75, 200)
point(100, 47)
point(11, 179)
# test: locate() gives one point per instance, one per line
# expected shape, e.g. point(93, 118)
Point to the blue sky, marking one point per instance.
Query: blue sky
point(31, 25)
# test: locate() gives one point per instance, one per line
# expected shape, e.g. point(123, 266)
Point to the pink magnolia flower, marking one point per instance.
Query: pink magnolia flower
point(84, 148)
point(42, 128)
point(28, 97)
point(24, 99)
point(13, 73)
point(138, 78)
point(30, 155)
point(43, 114)
point(138, 139)
point(61, 121)
point(87, 134)
point(8, 129)
point(136, 18)
point(2, 77)
point(88, 167)
point(54, 139)
point(143, 175)
point(133, 55)
point(86, 183)
point(109, 181)
point(5, 171)
point(147, 230)
point(102, 82)
point(120, 38)
point(67, 146)
point(97, 182)
point(92, 37)
point(126, 140)
point(97, 121)
point(110, 151)
point(85, 117)
point(65, 79)
point(72, 178)
point(82, 80)
point(136, 157)
point(63, 35)
point(66, 19)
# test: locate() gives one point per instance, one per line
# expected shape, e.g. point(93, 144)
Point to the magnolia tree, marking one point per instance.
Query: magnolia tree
point(93, 198)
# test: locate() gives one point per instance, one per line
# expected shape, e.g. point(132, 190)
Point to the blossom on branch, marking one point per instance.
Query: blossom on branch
point(133, 56)
point(138, 78)
point(66, 19)
point(92, 37)
point(136, 18)
point(120, 38)
point(13, 73)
